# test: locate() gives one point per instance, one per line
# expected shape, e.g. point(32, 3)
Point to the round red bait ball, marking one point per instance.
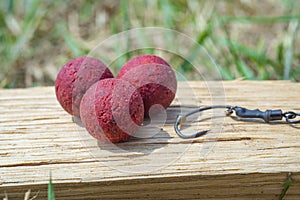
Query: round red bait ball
point(154, 78)
point(75, 78)
point(112, 110)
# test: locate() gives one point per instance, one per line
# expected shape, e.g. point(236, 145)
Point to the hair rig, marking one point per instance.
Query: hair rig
point(267, 116)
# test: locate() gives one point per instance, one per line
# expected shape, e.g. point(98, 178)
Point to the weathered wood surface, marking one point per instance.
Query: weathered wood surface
point(243, 160)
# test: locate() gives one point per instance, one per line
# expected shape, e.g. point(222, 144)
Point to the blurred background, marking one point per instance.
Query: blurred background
point(250, 39)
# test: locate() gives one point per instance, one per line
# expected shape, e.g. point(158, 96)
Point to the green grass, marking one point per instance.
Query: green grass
point(286, 186)
point(51, 195)
point(38, 37)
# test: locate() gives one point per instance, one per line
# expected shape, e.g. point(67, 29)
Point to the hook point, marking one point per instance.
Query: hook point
point(181, 119)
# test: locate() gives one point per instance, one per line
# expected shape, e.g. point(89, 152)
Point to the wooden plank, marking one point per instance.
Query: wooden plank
point(243, 186)
point(245, 160)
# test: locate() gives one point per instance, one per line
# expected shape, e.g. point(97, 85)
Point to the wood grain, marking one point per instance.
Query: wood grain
point(237, 160)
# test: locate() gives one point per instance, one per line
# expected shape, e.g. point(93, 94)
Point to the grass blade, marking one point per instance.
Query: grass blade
point(286, 186)
point(231, 19)
point(51, 195)
point(70, 40)
point(29, 26)
point(289, 51)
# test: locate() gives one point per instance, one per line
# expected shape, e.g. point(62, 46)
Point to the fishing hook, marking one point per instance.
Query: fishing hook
point(267, 116)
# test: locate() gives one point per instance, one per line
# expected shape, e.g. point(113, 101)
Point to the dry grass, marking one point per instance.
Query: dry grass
point(27, 196)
